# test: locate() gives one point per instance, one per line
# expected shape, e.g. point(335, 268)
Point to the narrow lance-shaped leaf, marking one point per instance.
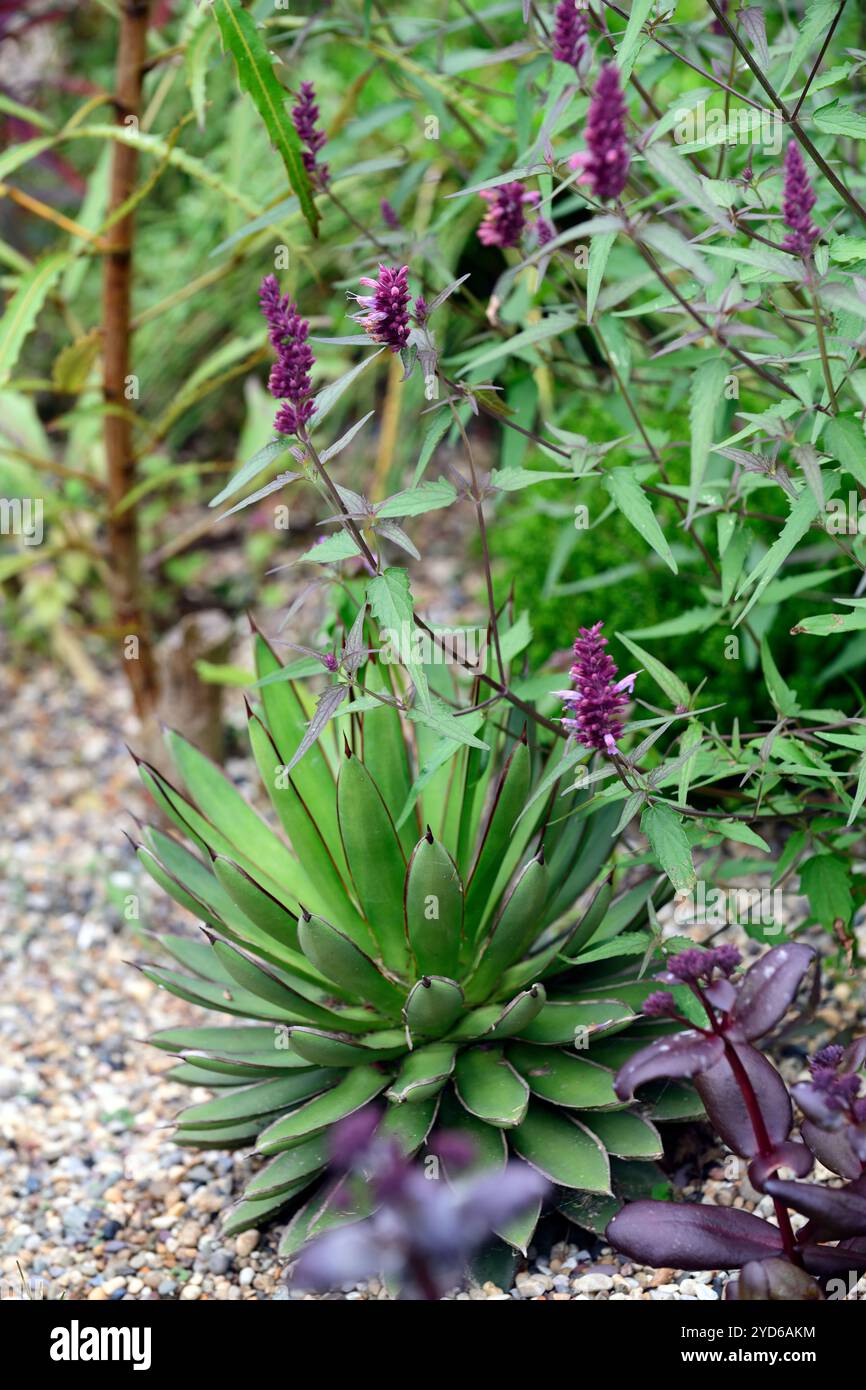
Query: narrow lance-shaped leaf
point(691, 1236)
point(628, 496)
point(257, 77)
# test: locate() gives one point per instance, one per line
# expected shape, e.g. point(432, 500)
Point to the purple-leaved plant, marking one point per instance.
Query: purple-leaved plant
point(799, 200)
point(598, 699)
point(570, 44)
point(289, 380)
point(305, 115)
point(748, 1104)
point(505, 218)
point(385, 314)
point(605, 163)
point(425, 1227)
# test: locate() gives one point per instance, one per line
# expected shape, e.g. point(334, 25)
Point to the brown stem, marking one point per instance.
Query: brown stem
point(122, 529)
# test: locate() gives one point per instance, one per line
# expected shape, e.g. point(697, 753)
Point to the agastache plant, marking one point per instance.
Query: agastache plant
point(605, 163)
point(597, 702)
point(305, 115)
point(429, 1220)
point(289, 379)
point(570, 43)
point(385, 314)
point(749, 1106)
point(505, 218)
point(799, 199)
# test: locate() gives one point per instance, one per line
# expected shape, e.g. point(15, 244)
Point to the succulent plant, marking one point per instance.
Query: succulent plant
point(415, 941)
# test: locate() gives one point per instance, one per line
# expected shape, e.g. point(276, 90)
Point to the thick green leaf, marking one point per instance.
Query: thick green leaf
point(337, 956)
point(342, 1050)
point(375, 858)
point(563, 1078)
point(508, 802)
point(434, 908)
point(563, 1149)
point(519, 1012)
point(252, 1212)
point(281, 1174)
point(357, 1088)
point(423, 1074)
point(323, 889)
point(262, 1098)
point(564, 1021)
point(513, 931)
point(490, 1088)
point(626, 1135)
point(432, 1005)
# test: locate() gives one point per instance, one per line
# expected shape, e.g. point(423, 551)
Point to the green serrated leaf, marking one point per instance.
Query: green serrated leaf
point(256, 76)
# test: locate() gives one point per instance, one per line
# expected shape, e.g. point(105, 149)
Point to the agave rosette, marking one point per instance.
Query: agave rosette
point(410, 938)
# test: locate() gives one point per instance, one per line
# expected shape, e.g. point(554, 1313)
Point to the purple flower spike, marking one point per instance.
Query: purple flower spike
point(544, 231)
point(606, 162)
point(421, 311)
point(659, 1004)
point(798, 204)
point(305, 114)
point(386, 316)
point(598, 700)
point(504, 220)
point(389, 216)
point(289, 380)
point(569, 35)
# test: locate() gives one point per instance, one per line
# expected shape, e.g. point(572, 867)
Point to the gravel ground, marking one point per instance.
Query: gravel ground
point(97, 1202)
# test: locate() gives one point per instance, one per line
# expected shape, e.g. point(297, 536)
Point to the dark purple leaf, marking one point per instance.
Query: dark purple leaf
point(724, 1103)
point(679, 1054)
point(815, 1105)
point(855, 1056)
point(773, 1281)
point(769, 987)
point(833, 1150)
point(326, 707)
point(787, 1155)
point(721, 994)
point(828, 1259)
point(691, 1236)
point(838, 1211)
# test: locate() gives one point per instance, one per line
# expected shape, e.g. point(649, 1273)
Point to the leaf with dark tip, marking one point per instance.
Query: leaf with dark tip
point(681, 1054)
point(724, 1104)
point(431, 1007)
point(693, 1236)
point(769, 987)
point(786, 1155)
point(771, 1281)
point(835, 1210)
point(833, 1150)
